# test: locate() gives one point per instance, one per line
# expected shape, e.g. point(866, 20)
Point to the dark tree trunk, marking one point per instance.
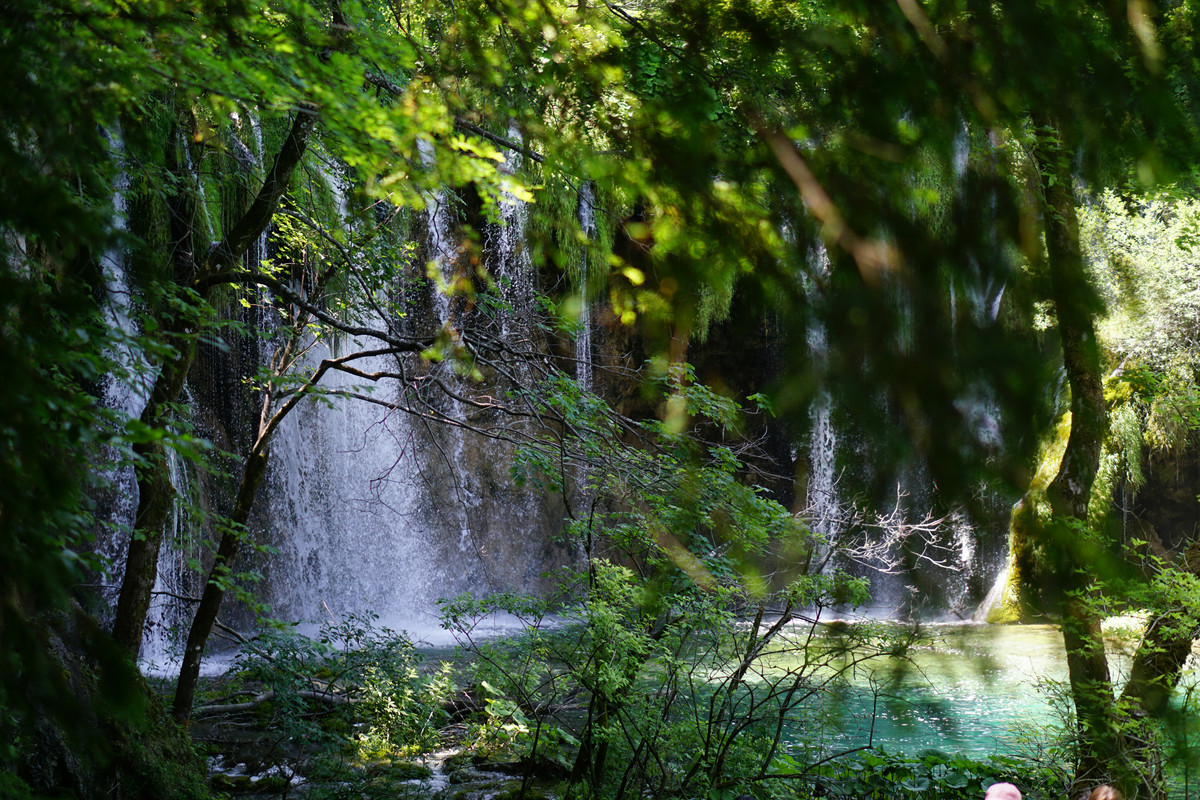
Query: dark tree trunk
point(1106, 754)
point(155, 494)
point(253, 471)
point(1156, 670)
point(154, 487)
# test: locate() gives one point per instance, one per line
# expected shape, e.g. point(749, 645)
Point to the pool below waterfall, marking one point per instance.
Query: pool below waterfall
point(971, 691)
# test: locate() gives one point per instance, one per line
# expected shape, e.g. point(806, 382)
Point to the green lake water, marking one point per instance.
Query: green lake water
point(967, 692)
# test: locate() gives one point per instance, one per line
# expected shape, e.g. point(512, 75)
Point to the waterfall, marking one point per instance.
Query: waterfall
point(962, 552)
point(375, 509)
point(443, 247)
point(370, 508)
point(514, 268)
point(367, 507)
point(343, 506)
point(823, 506)
point(121, 390)
point(583, 336)
point(258, 251)
point(170, 612)
point(962, 153)
point(343, 500)
point(126, 391)
point(935, 564)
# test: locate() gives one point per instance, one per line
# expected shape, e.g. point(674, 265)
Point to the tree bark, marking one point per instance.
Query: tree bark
point(1158, 663)
point(154, 488)
point(155, 494)
point(1099, 758)
point(253, 471)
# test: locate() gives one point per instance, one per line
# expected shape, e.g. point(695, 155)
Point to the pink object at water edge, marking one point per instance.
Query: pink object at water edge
point(1002, 791)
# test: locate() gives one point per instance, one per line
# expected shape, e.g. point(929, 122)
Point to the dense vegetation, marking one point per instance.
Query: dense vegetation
point(961, 200)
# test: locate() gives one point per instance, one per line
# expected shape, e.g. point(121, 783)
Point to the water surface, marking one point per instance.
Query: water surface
point(971, 690)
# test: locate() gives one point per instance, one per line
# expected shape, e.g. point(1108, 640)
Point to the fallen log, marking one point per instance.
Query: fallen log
point(265, 697)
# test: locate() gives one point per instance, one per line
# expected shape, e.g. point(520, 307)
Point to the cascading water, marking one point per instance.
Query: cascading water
point(514, 269)
point(125, 392)
point(375, 509)
point(443, 247)
point(344, 506)
point(583, 337)
point(444, 254)
point(343, 500)
point(823, 506)
point(909, 555)
point(371, 508)
point(170, 611)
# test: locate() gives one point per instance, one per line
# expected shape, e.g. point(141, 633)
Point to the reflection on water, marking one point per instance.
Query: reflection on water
point(965, 692)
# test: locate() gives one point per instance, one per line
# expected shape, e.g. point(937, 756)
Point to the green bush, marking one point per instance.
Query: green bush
point(355, 688)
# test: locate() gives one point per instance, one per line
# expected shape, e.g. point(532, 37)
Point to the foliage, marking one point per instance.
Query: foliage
point(667, 661)
point(929, 773)
point(677, 693)
point(655, 491)
point(728, 143)
point(1143, 254)
point(370, 676)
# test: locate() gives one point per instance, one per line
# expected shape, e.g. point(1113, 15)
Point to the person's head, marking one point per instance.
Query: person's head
point(1002, 791)
point(1104, 792)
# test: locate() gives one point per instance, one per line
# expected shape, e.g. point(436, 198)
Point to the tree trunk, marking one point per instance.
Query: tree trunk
point(1156, 670)
point(141, 561)
point(1099, 759)
point(155, 493)
point(154, 487)
point(253, 472)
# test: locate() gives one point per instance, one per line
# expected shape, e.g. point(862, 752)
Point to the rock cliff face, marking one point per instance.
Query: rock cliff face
point(1165, 509)
point(90, 747)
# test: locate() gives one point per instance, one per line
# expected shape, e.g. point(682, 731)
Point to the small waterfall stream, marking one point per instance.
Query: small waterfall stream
point(170, 610)
point(919, 564)
point(514, 268)
point(583, 337)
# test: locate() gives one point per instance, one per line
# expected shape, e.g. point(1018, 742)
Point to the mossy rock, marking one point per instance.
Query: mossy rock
point(234, 784)
point(335, 723)
point(460, 775)
point(1003, 614)
point(272, 784)
point(458, 761)
point(246, 784)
